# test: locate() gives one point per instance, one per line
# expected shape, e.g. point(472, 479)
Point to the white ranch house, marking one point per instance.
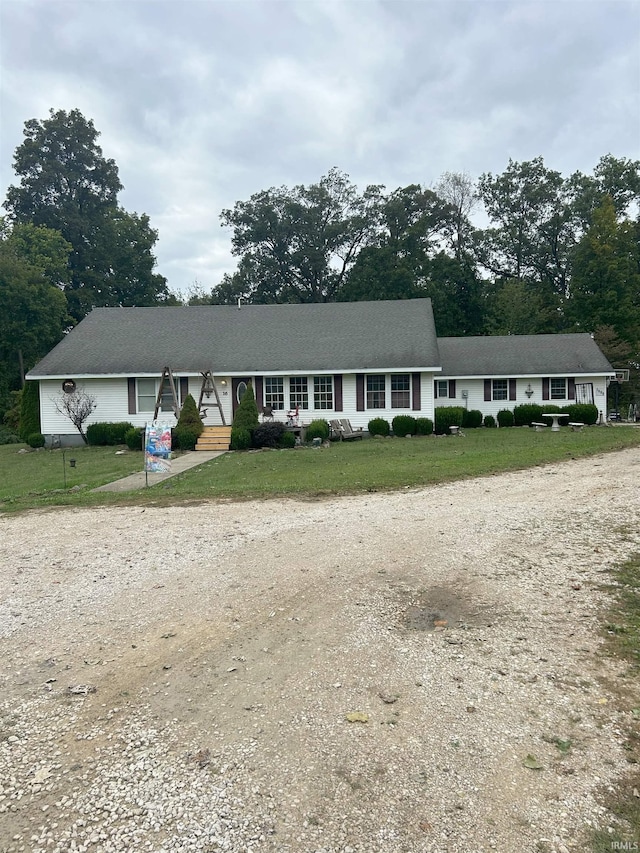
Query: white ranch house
point(355, 360)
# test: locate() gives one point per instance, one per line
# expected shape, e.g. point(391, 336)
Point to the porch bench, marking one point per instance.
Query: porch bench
point(576, 426)
point(537, 426)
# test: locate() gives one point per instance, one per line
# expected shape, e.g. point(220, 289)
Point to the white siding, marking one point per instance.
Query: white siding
point(475, 394)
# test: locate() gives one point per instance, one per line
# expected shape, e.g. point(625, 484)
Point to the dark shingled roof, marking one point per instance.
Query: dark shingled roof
point(522, 355)
point(338, 336)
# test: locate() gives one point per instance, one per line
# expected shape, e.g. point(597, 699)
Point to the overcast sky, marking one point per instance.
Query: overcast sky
point(204, 102)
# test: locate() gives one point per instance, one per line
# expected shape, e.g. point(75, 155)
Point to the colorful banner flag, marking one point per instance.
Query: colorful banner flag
point(157, 448)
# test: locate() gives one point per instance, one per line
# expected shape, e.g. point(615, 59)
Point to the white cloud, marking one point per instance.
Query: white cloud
point(204, 103)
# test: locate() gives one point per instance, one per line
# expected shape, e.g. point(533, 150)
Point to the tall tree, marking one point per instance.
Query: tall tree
point(298, 245)
point(532, 235)
point(605, 288)
point(33, 314)
point(67, 184)
point(457, 189)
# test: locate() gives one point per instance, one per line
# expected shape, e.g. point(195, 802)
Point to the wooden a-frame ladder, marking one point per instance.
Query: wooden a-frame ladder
point(208, 387)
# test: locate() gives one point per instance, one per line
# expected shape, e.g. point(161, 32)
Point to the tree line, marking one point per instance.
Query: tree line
point(555, 254)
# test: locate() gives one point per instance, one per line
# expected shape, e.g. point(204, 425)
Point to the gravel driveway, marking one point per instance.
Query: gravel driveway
point(361, 674)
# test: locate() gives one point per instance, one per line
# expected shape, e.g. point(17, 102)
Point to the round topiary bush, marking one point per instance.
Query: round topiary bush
point(585, 413)
point(424, 426)
point(117, 432)
point(185, 437)
point(471, 419)
point(505, 418)
point(133, 438)
point(287, 440)
point(403, 425)
point(527, 414)
point(36, 439)
point(317, 429)
point(447, 416)
point(240, 438)
point(99, 434)
point(268, 434)
point(378, 426)
point(489, 421)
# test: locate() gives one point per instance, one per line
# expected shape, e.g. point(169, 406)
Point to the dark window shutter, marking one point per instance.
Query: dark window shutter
point(131, 392)
point(572, 389)
point(258, 384)
point(416, 402)
point(337, 392)
point(545, 388)
point(452, 389)
point(487, 390)
point(435, 389)
point(360, 392)
point(184, 389)
point(512, 389)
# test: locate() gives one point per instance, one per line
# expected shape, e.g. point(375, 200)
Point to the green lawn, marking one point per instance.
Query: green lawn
point(36, 479)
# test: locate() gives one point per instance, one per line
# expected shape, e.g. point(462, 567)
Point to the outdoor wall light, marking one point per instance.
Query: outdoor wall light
point(72, 462)
point(208, 388)
point(223, 381)
point(529, 390)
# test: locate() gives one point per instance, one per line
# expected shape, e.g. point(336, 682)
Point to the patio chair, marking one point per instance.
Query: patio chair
point(335, 429)
point(267, 413)
point(348, 432)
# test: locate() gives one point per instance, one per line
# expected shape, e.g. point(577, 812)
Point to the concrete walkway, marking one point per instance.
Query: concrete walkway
point(178, 465)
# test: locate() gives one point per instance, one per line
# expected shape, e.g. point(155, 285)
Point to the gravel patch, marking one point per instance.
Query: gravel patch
point(418, 671)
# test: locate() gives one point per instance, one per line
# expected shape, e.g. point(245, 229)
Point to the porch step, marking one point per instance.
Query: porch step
point(214, 438)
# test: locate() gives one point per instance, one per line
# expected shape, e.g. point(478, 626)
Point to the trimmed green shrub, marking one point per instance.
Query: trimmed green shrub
point(378, 426)
point(527, 414)
point(246, 416)
point(489, 421)
point(29, 411)
point(550, 407)
point(268, 434)
point(403, 425)
point(317, 429)
point(117, 432)
point(287, 440)
point(447, 416)
point(240, 438)
point(190, 416)
point(36, 439)
point(424, 426)
point(585, 413)
point(98, 434)
point(133, 438)
point(471, 419)
point(185, 437)
point(505, 418)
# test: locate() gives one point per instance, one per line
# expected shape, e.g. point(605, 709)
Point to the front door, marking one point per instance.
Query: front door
point(238, 388)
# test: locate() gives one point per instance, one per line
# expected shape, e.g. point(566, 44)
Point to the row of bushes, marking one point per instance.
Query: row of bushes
point(401, 425)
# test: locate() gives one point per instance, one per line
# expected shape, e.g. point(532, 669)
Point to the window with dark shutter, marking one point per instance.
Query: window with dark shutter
point(545, 388)
point(512, 389)
point(360, 392)
point(416, 402)
point(337, 392)
point(452, 389)
point(487, 390)
point(131, 393)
